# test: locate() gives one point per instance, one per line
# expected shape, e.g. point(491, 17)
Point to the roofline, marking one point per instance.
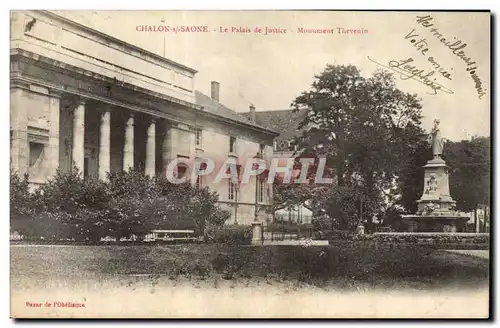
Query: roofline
point(254, 126)
point(251, 126)
point(272, 111)
point(116, 40)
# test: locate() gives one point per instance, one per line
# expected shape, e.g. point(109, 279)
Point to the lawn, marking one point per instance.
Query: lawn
point(331, 267)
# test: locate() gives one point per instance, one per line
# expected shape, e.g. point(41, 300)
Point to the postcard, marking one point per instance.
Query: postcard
point(250, 164)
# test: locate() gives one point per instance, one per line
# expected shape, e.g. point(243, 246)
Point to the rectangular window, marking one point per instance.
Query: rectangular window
point(261, 150)
point(232, 141)
point(260, 190)
point(230, 193)
point(36, 152)
point(198, 137)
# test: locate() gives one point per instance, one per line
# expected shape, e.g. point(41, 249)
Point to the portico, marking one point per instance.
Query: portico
point(71, 109)
point(81, 98)
point(99, 138)
point(93, 136)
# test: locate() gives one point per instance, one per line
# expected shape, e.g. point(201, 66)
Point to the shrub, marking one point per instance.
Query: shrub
point(19, 196)
point(288, 227)
point(230, 234)
point(431, 239)
point(126, 204)
point(340, 235)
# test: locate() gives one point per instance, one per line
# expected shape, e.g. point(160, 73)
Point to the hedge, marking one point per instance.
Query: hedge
point(428, 239)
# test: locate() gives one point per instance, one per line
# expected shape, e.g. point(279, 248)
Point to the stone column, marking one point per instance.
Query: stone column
point(79, 136)
point(128, 148)
point(19, 151)
point(104, 144)
point(151, 150)
point(167, 148)
point(54, 132)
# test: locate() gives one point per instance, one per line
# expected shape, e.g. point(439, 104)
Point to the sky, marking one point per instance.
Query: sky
point(270, 71)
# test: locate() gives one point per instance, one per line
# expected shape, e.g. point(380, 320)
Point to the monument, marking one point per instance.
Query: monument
point(436, 209)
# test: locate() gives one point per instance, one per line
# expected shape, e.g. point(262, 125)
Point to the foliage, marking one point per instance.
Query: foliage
point(469, 162)
point(229, 234)
point(288, 227)
point(392, 217)
point(363, 127)
point(428, 240)
point(20, 197)
point(469, 175)
point(125, 204)
point(410, 179)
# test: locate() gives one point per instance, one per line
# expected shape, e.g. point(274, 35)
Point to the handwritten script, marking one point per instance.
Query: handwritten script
point(408, 70)
point(456, 47)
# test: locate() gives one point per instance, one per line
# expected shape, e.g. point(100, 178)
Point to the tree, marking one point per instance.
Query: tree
point(469, 162)
point(410, 180)
point(362, 126)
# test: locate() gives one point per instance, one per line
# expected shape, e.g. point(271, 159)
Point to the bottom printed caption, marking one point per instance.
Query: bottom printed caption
point(54, 304)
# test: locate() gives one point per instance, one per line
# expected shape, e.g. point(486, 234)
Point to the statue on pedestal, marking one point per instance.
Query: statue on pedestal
point(436, 141)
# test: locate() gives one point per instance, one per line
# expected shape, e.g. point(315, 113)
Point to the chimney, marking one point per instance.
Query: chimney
point(252, 112)
point(215, 90)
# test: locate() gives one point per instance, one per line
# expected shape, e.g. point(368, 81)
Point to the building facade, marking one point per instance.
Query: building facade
point(286, 123)
point(81, 98)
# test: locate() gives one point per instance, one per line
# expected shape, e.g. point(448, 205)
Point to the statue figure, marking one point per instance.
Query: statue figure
point(431, 184)
point(436, 141)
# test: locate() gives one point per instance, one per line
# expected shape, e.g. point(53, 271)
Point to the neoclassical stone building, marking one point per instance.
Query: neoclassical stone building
point(83, 98)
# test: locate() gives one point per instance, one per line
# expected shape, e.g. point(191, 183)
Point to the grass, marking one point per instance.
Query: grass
point(331, 267)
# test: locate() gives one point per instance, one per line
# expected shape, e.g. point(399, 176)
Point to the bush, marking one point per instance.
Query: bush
point(231, 234)
point(430, 239)
point(288, 227)
point(19, 197)
point(340, 235)
point(126, 204)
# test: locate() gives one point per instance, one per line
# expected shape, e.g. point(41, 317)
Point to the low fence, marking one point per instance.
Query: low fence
point(282, 232)
point(463, 241)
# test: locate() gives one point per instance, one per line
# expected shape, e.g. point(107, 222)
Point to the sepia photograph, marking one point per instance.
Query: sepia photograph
point(250, 164)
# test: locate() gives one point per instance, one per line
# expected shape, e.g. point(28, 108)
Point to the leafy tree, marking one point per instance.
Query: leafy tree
point(469, 162)
point(308, 194)
point(362, 126)
point(410, 180)
point(469, 175)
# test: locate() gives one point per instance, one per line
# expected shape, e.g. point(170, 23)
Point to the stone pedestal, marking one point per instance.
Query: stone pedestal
point(436, 194)
point(436, 209)
point(256, 233)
